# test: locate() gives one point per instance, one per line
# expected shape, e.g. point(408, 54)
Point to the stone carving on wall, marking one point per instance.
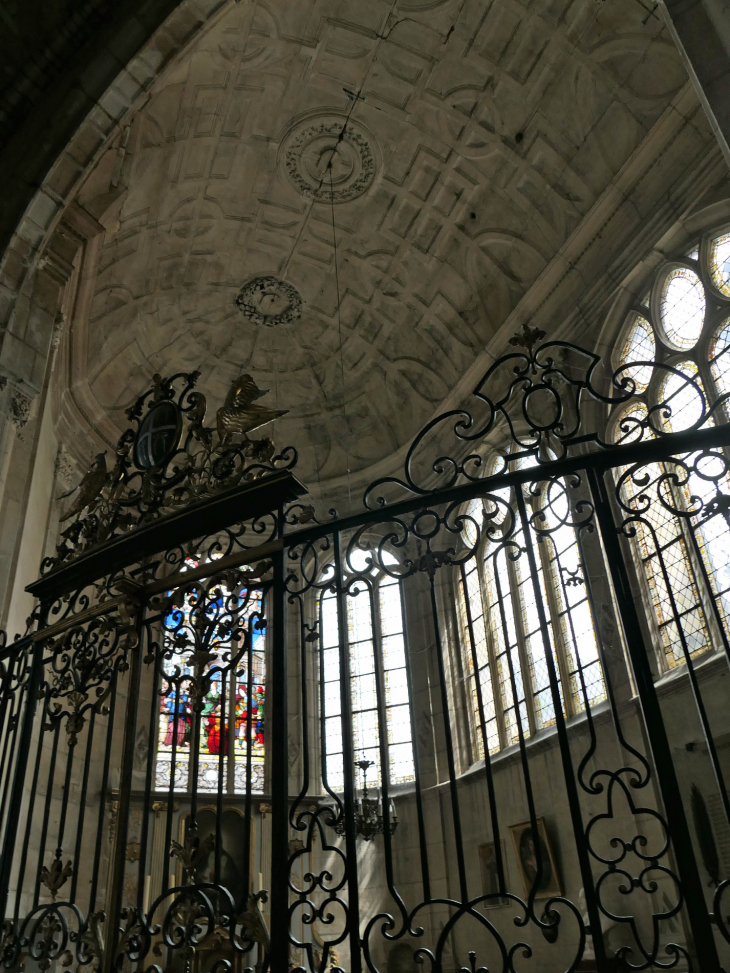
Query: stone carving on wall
point(59, 324)
point(329, 160)
point(21, 404)
point(66, 468)
point(269, 301)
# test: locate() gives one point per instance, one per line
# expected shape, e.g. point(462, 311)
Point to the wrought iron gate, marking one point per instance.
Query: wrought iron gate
point(211, 672)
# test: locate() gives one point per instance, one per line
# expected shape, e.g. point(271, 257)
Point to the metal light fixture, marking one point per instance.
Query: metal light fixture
point(369, 816)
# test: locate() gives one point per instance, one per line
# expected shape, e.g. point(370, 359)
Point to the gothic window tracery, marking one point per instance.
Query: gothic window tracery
point(682, 337)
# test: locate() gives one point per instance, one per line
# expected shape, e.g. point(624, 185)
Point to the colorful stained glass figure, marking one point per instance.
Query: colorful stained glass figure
point(219, 729)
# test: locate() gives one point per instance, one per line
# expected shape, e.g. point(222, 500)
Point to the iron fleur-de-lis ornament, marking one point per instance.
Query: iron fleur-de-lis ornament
point(55, 877)
point(527, 337)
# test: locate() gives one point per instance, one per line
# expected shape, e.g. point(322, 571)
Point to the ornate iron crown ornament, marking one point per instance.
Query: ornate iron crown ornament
point(169, 459)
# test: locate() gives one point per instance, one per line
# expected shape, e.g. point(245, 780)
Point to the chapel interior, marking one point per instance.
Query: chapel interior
point(364, 486)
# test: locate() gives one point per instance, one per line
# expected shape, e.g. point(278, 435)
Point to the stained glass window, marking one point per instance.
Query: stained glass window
point(503, 639)
point(682, 307)
point(639, 346)
point(720, 361)
point(720, 263)
point(477, 657)
point(330, 695)
point(684, 396)
point(572, 606)
point(682, 539)
point(663, 551)
point(501, 612)
point(232, 681)
point(378, 679)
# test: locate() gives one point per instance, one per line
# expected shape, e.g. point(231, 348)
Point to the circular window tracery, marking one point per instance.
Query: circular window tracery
point(678, 318)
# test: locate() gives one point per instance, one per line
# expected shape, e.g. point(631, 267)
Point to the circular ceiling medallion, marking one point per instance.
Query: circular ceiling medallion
point(269, 301)
point(308, 150)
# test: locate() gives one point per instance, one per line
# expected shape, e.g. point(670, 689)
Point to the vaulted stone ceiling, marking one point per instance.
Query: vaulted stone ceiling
point(468, 139)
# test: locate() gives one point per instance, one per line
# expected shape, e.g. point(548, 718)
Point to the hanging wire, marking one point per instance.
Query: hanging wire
point(339, 329)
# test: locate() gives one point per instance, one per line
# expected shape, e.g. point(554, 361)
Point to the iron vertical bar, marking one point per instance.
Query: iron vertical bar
point(118, 863)
point(382, 737)
point(9, 732)
point(31, 807)
point(47, 810)
point(455, 812)
point(656, 732)
point(348, 774)
point(227, 680)
point(22, 751)
point(103, 793)
point(279, 958)
point(146, 806)
point(483, 727)
point(571, 788)
point(422, 843)
point(82, 806)
point(249, 760)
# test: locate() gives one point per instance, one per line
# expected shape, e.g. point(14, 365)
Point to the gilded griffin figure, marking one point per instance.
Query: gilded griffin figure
point(238, 413)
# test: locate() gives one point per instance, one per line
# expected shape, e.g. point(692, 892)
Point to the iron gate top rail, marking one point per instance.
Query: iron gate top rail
point(242, 503)
point(265, 495)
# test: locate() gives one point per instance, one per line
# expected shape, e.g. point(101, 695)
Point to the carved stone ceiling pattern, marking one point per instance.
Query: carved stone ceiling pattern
point(477, 136)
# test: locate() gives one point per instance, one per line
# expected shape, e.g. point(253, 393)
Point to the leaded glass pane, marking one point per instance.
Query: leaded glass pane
point(719, 261)
point(639, 346)
point(570, 592)
point(226, 709)
point(475, 645)
point(504, 632)
point(683, 394)
point(663, 550)
point(682, 307)
point(473, 511)
point(395, 679)
point(720, 361)
point(364, 682)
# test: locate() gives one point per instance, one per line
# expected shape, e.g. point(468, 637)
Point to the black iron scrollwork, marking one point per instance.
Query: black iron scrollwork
point(545, 401)
point(169, 459)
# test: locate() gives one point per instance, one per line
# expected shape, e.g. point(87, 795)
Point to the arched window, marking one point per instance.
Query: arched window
point(504, 648)
point(222, 629)
point(379, 677)
point(680, 335)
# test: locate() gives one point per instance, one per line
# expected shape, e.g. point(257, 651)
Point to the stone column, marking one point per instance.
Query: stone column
point(701, 31)
point(28, 447)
